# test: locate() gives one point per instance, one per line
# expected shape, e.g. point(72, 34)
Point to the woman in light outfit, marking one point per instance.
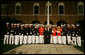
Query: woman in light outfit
point(54, 35)
point(59, 30)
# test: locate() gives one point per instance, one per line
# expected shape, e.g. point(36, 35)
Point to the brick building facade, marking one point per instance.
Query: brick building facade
point(70, 11)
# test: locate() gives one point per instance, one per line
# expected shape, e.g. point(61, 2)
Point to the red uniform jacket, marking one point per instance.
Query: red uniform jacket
point(41, 31)
point(59, 32)
point(54, 32)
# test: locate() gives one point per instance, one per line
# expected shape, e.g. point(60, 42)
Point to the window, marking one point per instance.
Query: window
point(3, 9)
point(80, 8)
point(50, 8)
point(18, 8)
point(61, 8)
point(36, 8)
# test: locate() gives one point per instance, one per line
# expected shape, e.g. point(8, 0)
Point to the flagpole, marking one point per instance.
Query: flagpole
point(48, 13)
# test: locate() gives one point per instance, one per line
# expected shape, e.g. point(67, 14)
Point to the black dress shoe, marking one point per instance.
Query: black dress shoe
point(53, 44)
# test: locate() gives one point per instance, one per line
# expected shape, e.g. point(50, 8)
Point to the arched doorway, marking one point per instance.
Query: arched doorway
point(34, 22)
point(46, 22)
point(61, 22)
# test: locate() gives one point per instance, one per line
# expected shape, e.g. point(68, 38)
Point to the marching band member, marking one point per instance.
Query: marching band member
point(14, 32)
point(68, 34)
point(33, 36)
point(78, 34)
point(63, 34)
point(73, 35)
point(11, 39)
point(54, 35)
point(41, 32)
point(6, 36)
point(25, 34)
point(21, 34)
point(36, 33)
point(29, 34)
point(17, 30)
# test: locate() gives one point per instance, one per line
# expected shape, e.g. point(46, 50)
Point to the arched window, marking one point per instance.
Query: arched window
point(4, 9)
point(50, 8)
point(36, 8)
point(18, 8)
point(80, 7)
point(60, 8)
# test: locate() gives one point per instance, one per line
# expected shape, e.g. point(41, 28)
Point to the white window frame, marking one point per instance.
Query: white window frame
point(46, 8)
point(36, 4)
point(61, 4)
point(18, 4)
point(79, 4)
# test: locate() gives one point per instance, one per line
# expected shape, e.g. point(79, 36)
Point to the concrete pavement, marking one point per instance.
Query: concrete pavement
point(44, 49)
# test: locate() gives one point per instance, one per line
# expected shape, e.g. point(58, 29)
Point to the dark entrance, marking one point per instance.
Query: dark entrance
point(61, 22)
point(46, 22)
point(34, 22)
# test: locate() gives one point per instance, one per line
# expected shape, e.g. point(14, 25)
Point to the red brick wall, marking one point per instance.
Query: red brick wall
point(27, 9)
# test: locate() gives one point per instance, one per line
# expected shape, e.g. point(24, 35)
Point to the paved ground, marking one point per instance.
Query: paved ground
point(44, 49)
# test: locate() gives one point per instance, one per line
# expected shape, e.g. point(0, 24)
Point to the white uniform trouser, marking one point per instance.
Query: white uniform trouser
point(59, 40)
point(54, 39)
point(6, 37)
point(37, 39)
point(79, 40)
point(41, 39)
point(63, 39)
point(74, 40)
point(11, 39)
point(21, 39)
point(16, 39)
point(25, 39)
point(51, 39)
point(29, 39)
point(33, 39)
point(69, 39)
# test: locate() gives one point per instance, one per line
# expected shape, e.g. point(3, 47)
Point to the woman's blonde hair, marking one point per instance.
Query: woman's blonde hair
point(58, 27)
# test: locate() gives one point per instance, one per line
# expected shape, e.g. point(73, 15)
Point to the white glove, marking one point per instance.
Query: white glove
point(7, 32)
point(19, 33)
point(73, 34)
point(58, 31)
point(53, 32)
point(22, 34)
point(67, 34)
point(76, 35)
point(27, 33)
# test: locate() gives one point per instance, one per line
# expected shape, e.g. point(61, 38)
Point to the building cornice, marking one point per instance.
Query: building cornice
point(43, 15)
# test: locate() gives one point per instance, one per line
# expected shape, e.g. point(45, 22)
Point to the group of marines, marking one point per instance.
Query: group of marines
point(17, 33)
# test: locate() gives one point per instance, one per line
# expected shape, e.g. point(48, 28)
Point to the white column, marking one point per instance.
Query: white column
point(48, 13)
